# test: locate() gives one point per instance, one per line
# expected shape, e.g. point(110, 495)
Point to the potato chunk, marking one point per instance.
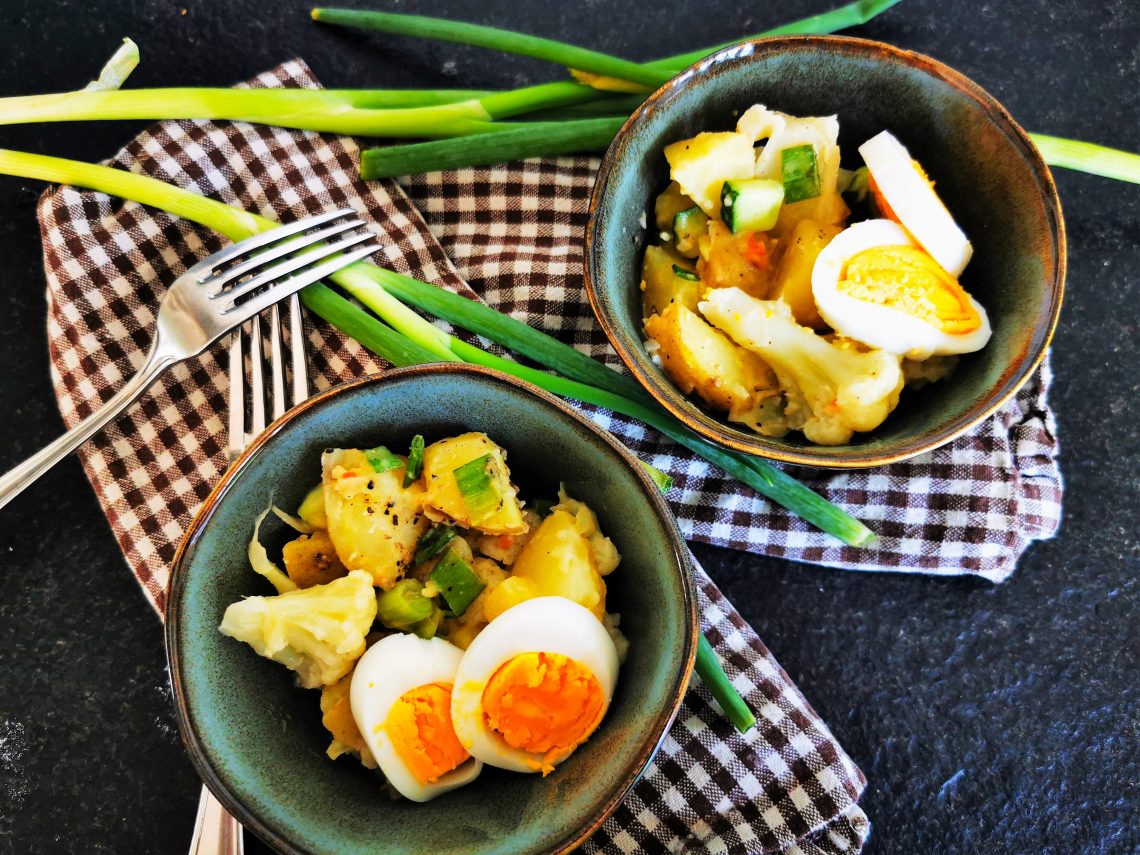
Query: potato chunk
point(702, 164)
point(443, 499)
point(558, 561)
point(701, 359)
point(792, 281)
point(661, 285)
point(374, 521)
point(336, 716)
point(726, 262)
point(311, 559)
point(671, 202)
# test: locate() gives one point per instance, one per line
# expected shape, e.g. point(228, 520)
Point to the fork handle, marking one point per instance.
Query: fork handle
point(215, 831)
point(17, 479)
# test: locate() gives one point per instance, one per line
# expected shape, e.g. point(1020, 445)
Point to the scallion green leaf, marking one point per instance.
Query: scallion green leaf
point(479, 485)
point(1089, 157)
point(433, 542)
point(415, 460)
point(456, 581)
point(685, 273)
point(510, 141)
point(716, 681)
point(382, 460)
point(237, 224)
point(404, 605)
point(441, 29)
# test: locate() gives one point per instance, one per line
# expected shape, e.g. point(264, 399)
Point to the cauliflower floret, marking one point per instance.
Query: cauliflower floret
point(832, 391)
point(317, 632)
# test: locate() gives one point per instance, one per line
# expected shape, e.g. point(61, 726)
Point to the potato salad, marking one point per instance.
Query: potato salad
point(446, 623)
point(767, 300)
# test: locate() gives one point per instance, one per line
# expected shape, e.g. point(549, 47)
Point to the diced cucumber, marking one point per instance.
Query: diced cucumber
point(800, 173)
point(688, 226)
point(751, 204)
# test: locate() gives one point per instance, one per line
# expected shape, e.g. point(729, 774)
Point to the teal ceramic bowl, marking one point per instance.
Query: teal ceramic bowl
point(257, 740)
point(988, 172)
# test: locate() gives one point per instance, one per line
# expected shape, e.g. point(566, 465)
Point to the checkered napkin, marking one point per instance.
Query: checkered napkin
point(511, 235)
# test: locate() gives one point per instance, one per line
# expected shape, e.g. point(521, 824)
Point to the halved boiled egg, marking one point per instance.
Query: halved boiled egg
point(401, 701)
point(906, 195)
point(534, 684)
point(874, 284)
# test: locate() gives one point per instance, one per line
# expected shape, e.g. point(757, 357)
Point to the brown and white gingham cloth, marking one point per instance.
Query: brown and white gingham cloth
point(511, 235)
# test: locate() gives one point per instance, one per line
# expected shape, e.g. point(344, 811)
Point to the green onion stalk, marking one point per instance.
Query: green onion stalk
point(404, 114)
point(408, 339)
point(587, 118)
point(394, 113)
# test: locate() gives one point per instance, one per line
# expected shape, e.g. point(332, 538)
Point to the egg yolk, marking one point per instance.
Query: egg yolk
point(419, 725)
point(543, 703)
point(907, 279)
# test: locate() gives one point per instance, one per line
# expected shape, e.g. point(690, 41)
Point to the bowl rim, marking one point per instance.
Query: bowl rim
point(666, 393)
point(188, 727)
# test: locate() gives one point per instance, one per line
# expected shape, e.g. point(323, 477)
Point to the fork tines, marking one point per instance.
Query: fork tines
point(246, 283)
point(240, 277)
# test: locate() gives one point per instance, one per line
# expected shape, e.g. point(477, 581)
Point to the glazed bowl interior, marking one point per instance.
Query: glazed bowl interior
point(986, 171)
point(257, 740)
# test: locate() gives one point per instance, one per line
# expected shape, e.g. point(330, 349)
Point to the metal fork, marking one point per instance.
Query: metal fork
point(213, 297)
point(217, 832)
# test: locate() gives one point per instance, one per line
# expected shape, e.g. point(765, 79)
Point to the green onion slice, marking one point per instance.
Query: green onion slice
point(415, 460)
point(686, 274)
point(456, 581)
point(404, 605)
point(479, 487)
point(382, 459)
point(429, 626)
point(432, 543)
point(800, 173)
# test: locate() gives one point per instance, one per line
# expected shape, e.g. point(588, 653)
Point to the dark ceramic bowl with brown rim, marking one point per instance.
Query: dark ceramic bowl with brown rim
point(257, 740)
point(988, 172)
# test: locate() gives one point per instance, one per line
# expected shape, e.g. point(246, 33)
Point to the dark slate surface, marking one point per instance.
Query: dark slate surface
point(987, 719)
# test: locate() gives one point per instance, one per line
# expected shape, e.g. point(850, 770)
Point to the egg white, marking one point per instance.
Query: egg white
point(915, 203)
point(539, 625)
point(389, 668)
point(882, 327)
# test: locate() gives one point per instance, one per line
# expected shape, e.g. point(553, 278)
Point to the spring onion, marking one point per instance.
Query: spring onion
point(404, 605)
point(478, 483)
point(1089, 157)
point(118, 68)
point(514, 141)
point(717, 682)
point(433, 543)
point(373, 333)
point(456, 581)
point(594, 383)
point(415, 460)
point(689, 275)
point(429, 626)
point(364, 280)
point(507, 41)
point(382, 460)
point(357, 324)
